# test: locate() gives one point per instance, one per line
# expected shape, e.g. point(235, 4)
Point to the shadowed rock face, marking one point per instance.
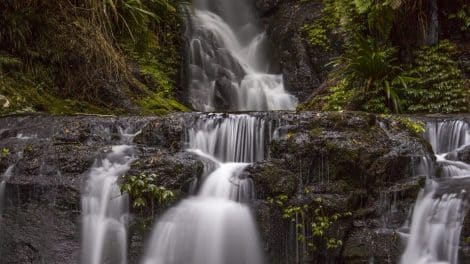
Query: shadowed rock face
point(354, 162)
point(302, 65)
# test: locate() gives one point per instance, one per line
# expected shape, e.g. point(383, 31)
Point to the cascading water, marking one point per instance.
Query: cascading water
point(105, 209)
point(227, 71)
point(440, 209)
point(3, 181)
point(227, 68)
point(215, 226)
point(239, 138)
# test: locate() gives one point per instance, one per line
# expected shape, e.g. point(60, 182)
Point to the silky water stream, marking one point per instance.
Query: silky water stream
point(215, 226)
point(104, 208)
point(438, 214)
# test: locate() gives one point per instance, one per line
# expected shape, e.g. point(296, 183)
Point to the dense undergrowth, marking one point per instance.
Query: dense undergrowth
point(89, 56)
point(390, 59)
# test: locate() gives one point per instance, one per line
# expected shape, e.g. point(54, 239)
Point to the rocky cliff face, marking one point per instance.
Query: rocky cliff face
point(338, 163)
point(350, 164)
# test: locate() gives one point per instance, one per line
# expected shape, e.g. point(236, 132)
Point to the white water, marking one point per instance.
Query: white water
point(226, 46)
point(440, 209)
point(104, 209)
point(3, 181)
point(216, 225)
point(228, 72)
point(236, 138)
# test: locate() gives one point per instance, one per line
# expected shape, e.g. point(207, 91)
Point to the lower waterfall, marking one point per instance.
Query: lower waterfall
point(215, 226)
point(439, 212)
point(104, 209)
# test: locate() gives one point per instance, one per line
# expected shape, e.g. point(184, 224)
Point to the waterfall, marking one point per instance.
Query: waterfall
point(237, 138)
point(105, 209)
point(227, 64)
point(227, 71)
point(3, 181)
point(215, 226)
point(440, 209)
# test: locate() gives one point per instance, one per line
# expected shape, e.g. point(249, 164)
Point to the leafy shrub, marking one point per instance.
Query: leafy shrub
point(437, 84)
point(144, 192)
point(369, 68)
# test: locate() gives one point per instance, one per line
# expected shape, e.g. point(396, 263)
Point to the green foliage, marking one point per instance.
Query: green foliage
point(336, 18)
point(437, 84)
point(8, 62)
point(74, 57)
point(130, 17)
point(463, 18)
point(314, 226)
point(5, 152)
point(340, 96)
point(380, 15)
point(144, 192)
point(316, 35)
point(369, 68)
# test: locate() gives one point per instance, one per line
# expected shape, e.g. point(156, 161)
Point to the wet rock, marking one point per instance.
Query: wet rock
point(165, 132)
point(464, 154)
point(224, 96)
point(302, 65)
point(40, 225)
point(174, 171)
point(271, 179)
point(351, 162)
point(365, 246)
point(265, 6)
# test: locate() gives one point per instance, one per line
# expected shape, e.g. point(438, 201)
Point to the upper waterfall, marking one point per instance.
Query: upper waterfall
point(227, 61)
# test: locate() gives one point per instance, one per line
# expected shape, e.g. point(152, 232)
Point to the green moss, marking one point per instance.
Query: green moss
point(316, 35)
point(157, 65)
point(160, 105)
point(415, 127)
point(27, 95)
point(316, 132)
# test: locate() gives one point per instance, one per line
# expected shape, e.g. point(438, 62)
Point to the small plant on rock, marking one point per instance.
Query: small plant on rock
point(313, 224)
point(144, 192)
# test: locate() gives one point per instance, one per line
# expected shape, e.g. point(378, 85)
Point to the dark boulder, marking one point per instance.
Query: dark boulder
point(224, 95)
point(464, 154)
